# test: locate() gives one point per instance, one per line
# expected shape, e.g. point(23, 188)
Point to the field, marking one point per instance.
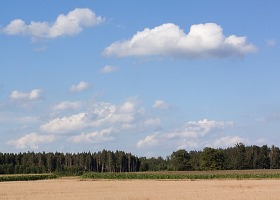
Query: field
point(249, 185)
point(141, 189)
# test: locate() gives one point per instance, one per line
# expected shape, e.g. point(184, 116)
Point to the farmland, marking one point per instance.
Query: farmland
point(221, 174)
point(158, 175)
point(234, 184)
point(75, 188)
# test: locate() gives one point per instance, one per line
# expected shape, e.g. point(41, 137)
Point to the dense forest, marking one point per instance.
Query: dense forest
point(240, 157)
point(68, 164)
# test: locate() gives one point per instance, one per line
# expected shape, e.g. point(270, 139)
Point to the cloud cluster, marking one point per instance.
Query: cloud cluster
point(102, 121)
point(103, 115)
point(198, 129)
point(194, 134)
point(203, 40)
point(70, 24)
point(26, 99)
point(95, 126)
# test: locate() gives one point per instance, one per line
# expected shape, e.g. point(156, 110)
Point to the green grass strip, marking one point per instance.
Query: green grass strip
point(181, 176)
point(27, 177)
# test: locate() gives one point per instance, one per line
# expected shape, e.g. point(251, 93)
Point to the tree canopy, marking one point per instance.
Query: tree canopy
point(239, 157)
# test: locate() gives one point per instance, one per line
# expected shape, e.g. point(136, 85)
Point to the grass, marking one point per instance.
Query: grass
point(231, 174)
point(174, 175)
point(26, 177)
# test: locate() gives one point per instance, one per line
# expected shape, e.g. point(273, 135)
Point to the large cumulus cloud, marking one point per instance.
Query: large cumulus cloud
point(70, 24)
point(203, 40)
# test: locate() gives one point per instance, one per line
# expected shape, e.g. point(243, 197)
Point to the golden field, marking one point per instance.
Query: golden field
point(75, 188)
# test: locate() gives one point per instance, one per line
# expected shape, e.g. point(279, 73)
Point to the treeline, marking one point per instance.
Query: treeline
point(68, 164)
point(240, 157)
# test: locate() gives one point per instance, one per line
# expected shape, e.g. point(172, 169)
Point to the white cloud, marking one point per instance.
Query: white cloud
point(100, 136)
point(228, 141)
point(108, 69)
point(16, 26)
point(29, 96)
point(203, 40)
point(67, 105)
point(159, 104)
point(66, 124)
point(150, 140)
point(128, 106)
point(101, 115)
point(194, 134)
point(199, 129)
point(70, 24)
point(80, 87)
point(122, 115)
point(31, 141)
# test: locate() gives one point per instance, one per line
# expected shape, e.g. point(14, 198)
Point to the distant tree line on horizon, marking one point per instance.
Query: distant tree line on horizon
point(239, 157)
point(69, 163)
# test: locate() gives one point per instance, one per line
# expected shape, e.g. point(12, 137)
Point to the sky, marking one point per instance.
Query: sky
point(146, 77)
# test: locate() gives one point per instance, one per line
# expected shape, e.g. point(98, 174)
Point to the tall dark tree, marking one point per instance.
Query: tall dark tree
point(274, 157)
point(195, 160)
point(212, 159)
point(180, 160)
point(239, 157)
point(264, 157)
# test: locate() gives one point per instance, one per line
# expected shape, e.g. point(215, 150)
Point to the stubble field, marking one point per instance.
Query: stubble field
point(75, 188)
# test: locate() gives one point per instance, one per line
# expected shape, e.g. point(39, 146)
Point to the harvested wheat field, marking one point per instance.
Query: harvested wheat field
point(141, 189)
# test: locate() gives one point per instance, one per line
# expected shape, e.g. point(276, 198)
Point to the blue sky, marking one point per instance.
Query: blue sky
point(147, 77)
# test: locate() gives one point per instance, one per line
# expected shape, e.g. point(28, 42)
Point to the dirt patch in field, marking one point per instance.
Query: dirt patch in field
point(141, 189)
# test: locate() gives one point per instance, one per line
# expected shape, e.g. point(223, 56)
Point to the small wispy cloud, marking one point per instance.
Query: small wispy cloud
point(150, 140)
point(160, 104)
point(94, 137)
point(82, 86)
point(67, 105)
point(31, 141)
point(108, 69)
point(28, 96)
point(228, 141)
point(40, 49)
point(271, 43)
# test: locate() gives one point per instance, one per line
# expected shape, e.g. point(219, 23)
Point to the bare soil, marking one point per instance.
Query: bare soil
point(141, 189)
